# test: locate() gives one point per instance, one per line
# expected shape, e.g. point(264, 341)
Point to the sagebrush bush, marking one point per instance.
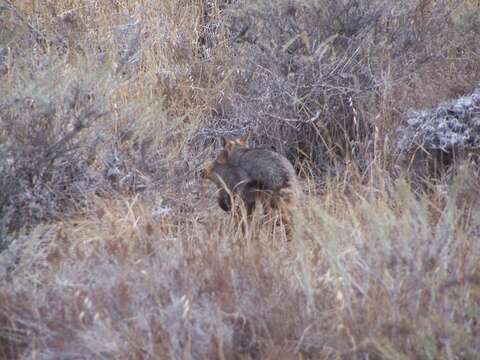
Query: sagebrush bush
point(48, 130)
point(81, 109)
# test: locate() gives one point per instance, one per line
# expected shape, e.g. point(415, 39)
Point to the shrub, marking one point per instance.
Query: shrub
point(48, 130)
point(327, 81)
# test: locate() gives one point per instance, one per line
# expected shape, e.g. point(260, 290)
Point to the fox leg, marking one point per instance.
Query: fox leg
point(224, 201)
point(283, 202)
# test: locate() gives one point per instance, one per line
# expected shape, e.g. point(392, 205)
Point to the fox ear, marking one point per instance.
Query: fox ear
point(228, 145)
point(243, 141)
point(222, 157)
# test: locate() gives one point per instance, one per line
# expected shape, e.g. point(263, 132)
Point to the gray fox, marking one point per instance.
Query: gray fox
point(269, 172)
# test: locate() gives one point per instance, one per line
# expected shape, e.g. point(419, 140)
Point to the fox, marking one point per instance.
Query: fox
point(268, 171)
point(234, 185)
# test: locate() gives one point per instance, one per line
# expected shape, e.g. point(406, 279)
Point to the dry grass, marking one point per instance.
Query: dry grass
point(112, 248)
point(387, 277)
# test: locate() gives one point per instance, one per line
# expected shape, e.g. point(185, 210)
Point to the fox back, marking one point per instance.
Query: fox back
point(269, 169)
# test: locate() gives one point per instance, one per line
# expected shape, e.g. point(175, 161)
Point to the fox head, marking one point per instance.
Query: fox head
point(231, 145)
point(210, 172)
point(225, 175)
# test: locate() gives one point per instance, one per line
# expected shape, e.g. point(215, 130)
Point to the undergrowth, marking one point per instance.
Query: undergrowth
point(111, 246)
